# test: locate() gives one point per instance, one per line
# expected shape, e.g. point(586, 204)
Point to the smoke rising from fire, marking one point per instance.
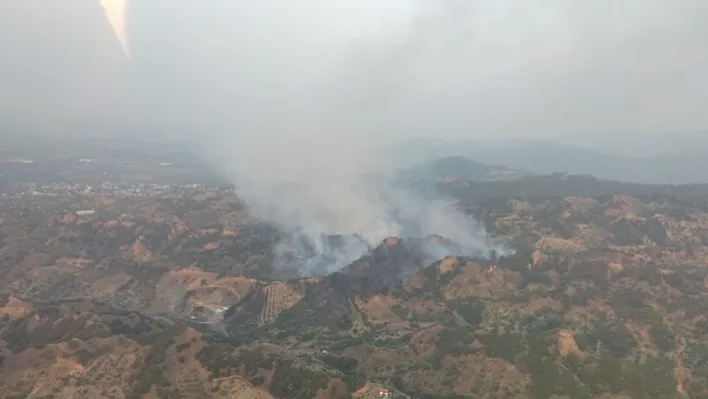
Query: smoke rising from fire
point(333, 211)
point(313, 130)
point(332, 224)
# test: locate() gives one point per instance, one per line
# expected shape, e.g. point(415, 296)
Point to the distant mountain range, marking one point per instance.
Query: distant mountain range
point(543, 157)
point(462, 168)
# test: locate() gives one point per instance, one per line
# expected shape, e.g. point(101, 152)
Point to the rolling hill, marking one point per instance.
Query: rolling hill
point(545, 157)
point(604, 297)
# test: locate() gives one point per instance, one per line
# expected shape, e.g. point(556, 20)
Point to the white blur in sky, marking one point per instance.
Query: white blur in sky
point(116, 12)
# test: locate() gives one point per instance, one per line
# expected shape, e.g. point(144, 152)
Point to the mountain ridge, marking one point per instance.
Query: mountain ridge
point(546, 157)
point(460, 168)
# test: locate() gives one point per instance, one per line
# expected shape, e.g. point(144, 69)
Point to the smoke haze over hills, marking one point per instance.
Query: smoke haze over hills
point(315, 91)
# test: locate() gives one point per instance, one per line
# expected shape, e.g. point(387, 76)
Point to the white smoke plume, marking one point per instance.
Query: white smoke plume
point(334, 211)
point(313, 130)
point(333, 223)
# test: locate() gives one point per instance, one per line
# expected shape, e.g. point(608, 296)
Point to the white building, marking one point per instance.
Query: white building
point(220, 309)
point(86, 212)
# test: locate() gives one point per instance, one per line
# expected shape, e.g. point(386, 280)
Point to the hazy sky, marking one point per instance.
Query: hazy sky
point(59, 62)
point(358, 71)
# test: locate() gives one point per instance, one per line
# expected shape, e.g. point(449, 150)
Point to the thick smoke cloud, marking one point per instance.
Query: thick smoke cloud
point(332, 224)
point(332, 218)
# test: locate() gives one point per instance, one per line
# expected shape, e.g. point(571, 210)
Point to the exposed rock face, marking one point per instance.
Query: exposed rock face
point(567, 344)
point(538, 258)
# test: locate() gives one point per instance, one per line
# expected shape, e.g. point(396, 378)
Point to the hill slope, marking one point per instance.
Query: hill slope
point(604, 296)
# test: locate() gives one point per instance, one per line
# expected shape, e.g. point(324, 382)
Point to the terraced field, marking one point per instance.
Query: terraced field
point(279, 296)
point(559, 245)
point(238, 387)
